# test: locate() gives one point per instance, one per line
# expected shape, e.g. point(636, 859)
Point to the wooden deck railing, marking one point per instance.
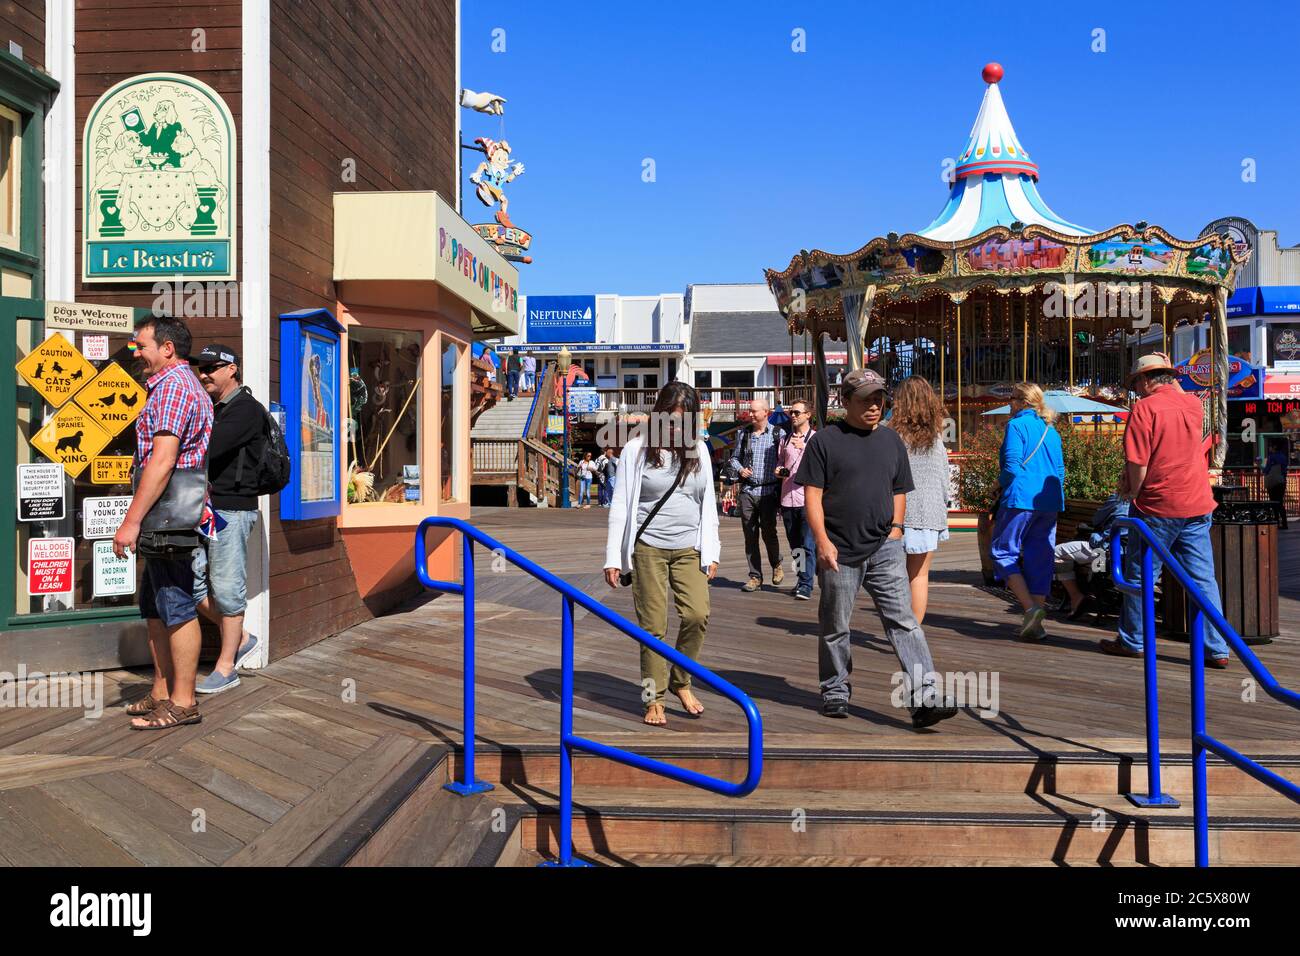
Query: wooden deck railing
point(496, 456)
point(729, 399)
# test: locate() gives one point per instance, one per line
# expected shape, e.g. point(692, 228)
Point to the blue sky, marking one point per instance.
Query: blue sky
point(760, 151)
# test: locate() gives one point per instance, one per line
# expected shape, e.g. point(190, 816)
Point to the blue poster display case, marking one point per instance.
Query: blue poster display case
point(309, 393)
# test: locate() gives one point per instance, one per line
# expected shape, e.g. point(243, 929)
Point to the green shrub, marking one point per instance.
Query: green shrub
point(1093, 463)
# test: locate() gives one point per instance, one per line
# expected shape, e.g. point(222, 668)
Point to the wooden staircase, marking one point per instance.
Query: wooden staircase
point(899, 805)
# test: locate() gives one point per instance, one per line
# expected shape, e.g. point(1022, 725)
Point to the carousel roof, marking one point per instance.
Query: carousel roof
point(995, 181)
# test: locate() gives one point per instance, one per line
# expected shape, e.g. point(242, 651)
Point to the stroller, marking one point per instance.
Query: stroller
point(1089, 553)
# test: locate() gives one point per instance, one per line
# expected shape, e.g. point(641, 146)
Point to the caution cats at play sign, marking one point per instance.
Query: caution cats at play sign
point(56, 370)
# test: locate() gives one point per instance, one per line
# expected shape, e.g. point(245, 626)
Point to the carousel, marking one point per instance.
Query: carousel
point(1000, 289)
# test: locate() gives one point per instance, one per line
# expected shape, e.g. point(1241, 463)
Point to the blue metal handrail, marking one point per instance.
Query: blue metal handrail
point(569, 741)
point(1201, 741)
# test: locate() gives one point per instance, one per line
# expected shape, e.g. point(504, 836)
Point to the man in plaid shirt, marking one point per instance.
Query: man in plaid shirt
point(754, 465)
point(171, 433)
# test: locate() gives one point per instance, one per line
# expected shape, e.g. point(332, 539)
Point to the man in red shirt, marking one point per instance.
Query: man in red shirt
point(172, 436)
point(1166, 476)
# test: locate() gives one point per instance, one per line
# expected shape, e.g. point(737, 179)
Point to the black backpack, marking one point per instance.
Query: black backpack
point(269, 454)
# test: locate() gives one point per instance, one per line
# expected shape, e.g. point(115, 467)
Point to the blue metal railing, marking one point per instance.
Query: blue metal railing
point(1202, 742)
point(569, 741)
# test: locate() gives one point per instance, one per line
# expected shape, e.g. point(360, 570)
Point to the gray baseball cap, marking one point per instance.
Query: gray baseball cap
point(862, 381)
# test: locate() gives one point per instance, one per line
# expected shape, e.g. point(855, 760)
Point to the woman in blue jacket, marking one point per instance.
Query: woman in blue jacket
point(1033, 496)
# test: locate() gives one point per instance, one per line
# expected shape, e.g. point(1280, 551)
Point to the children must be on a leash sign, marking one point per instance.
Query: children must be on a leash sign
point(49, 565)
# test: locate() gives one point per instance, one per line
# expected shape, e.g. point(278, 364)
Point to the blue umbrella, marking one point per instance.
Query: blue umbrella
point(1066, 404)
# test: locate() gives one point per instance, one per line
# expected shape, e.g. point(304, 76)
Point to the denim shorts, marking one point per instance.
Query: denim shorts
point(227, 578)
point(171, 588)
point(922, 540)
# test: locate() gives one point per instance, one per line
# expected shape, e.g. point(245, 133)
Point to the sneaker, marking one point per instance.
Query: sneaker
point(1117, 648)
point(1031, 625)
point(1086, 606)
point(753, 584)
point(835, 707)
point(1218, 663)
point(778, 574)
point(803, 594)
point(245, 651)
point(931, 714)
point(216, 682)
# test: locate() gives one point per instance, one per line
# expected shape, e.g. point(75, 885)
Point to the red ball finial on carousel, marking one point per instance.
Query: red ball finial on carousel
point(992, 72)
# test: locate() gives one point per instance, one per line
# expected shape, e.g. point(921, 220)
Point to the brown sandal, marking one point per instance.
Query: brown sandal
point(144, 707)
point(168, 715)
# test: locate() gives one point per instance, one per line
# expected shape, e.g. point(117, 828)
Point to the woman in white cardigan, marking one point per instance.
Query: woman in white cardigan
point(679, 548)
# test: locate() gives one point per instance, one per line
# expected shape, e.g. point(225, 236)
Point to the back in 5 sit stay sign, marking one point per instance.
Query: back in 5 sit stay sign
point(49, 565)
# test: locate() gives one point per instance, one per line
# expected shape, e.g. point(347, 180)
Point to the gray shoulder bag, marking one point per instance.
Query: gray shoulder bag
point(180, 507)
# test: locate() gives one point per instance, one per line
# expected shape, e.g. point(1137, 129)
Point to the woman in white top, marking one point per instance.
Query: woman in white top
point(918, 418)
point(679, 548)
point(586, 474)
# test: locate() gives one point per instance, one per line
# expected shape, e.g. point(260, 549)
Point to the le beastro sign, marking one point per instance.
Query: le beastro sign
point(158, 188)
point(56, 370)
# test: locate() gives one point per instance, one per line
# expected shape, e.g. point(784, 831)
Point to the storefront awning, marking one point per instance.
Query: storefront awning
point(1279, 299)
point(389, 246)
point(1244, 301)
point(785, 358)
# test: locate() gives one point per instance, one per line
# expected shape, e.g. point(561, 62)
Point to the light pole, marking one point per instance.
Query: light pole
point(562, 362)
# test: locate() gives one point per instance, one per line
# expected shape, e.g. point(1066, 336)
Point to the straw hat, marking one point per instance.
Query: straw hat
point(1152, 362)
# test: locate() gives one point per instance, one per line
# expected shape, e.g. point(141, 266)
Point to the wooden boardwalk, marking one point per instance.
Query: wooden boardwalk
point(285, 765)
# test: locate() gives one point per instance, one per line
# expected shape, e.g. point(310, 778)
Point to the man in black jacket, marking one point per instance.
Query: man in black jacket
point(233, 451)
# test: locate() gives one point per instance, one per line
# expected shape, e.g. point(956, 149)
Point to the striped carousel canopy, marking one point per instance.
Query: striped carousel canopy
point(996, 183)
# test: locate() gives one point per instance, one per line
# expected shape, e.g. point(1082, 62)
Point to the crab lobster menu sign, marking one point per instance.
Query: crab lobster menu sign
point(158, 182)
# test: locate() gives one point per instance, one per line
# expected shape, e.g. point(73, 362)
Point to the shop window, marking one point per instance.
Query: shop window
point(102, 475)
point(384, 399)
point(703, 379)
point(10, 163)
point(734, 379)
point(1241, 340)
point(452, 425)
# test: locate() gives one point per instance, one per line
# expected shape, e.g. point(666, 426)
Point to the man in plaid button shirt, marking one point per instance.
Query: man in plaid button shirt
point(171, 433)
point(754, 465)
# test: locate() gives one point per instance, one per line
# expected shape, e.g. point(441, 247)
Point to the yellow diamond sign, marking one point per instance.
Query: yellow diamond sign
point(71, 438)
point(55, 369)
point(113, 398)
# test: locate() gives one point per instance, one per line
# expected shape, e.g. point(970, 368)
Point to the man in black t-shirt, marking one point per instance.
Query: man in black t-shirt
point(232, 479)
point(856, 478)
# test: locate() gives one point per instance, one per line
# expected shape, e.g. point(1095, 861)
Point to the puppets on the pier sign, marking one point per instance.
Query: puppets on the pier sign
point(493, 173)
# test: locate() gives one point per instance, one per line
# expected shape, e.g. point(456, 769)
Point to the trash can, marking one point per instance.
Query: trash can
point(1244, 537)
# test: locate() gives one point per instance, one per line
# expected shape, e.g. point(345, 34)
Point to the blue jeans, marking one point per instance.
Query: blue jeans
point(1188, 540)
point(799, 533)
point(584, 490)
point(227, 574)
point(1024, 543)
point(512, 383)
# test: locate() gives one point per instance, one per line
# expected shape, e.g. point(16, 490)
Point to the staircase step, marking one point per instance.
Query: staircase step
point(888, 770)
point(965, 827)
